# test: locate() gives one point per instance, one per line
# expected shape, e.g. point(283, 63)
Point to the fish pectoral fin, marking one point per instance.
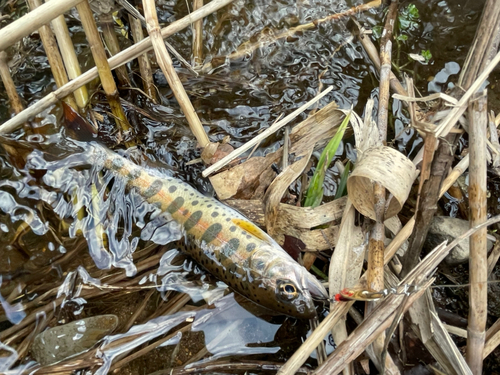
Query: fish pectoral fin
point(252, 229)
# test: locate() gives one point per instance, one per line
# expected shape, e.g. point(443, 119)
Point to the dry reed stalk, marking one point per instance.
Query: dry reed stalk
point(478, 264)
point(494, 256)
point(229, 367)
point(340, 309)
point(197, 37)
point(449, 122)
point(14, 100)
point(70, 59)
point(417, 275)
point(373, 54)
point(54, 56)
point(367, 332)
point(114, 62)
point(430, 186)
point(375, 270)
point(8, 83)
point(312, 342)
point(144, 65)
point(249, 47)
point(168, 70)
point(107, 80)
point(33, 20)
point(492, 339)
point(266, 133)
point(108, 30)
point(485, 44)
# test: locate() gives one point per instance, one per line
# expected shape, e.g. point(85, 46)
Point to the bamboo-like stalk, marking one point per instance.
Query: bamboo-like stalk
point(492, 338)
point(197, 36)
point(122, 58)
point(14, 100)
point(485, 39)
point(166, 65)
point(375, 270)
point(108, 30)
point(144, 65)
point(424, 269)
point(70, 59)
point(407, 230)
point(8, 83)
point(54, 56)
point(33, 20)
point(371, 328)
point(478, 263)
point(107, 80)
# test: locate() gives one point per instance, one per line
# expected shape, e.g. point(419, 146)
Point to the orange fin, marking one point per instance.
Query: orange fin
point(251, 228)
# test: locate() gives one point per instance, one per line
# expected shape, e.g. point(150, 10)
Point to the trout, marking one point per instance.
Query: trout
point(223, 241)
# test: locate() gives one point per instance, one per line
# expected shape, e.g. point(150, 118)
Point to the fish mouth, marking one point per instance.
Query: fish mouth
point(315, 288)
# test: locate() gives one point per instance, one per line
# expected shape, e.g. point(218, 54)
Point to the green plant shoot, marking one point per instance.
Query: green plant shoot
point(342, 187)
point(314, 193)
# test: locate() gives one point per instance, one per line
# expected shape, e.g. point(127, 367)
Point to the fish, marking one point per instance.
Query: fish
point(224, 242)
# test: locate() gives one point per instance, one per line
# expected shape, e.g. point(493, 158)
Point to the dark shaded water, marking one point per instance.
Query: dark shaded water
point(237, 99)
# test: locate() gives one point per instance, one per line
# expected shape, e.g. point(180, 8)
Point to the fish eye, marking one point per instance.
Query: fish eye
point(288, 290)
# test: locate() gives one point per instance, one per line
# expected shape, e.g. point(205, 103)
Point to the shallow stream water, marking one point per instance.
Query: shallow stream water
point(237, 99)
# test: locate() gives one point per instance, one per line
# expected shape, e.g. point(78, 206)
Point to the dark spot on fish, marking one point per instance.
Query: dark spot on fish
point(185, 189)
point(215, 214)
point(193, 220)
point(172, 188)
point(194, 203)
point(117, 163)
point(249, 237)
point(153, 189)
point(185, 212)
point(250, 247)
point(134, 173)
point(175, 205)
point(191, 194)
point(234, 243)
point(228, 219)
point(232, 229)
point(209, 206)
point(211, 232)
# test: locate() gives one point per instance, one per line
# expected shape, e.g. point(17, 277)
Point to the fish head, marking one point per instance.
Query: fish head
point(283, 285)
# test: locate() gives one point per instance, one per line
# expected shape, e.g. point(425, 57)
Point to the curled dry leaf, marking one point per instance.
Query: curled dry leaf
point(391, 169)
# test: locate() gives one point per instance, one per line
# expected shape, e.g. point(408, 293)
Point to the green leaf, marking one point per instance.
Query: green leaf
point(314, 193)
point(377, 32)
point(342, 188)
point(427, 55)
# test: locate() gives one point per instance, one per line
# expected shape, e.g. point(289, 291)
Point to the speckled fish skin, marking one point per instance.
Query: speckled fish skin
point(227, 244)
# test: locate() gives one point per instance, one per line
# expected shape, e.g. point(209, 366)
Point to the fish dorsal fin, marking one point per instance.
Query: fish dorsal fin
point(252, 229)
